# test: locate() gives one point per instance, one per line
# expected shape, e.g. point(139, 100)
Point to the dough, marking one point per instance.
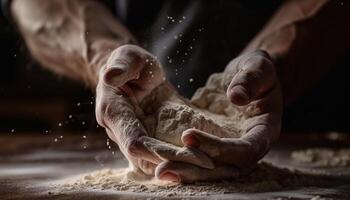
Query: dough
point(164, 115)
point(167, 115)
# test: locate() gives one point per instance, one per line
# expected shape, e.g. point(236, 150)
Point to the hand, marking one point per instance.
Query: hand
point(255, 91)
point(129, 75)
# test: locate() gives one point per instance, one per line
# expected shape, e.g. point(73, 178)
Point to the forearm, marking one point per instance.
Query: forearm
point(305, 39)
point(72, 38)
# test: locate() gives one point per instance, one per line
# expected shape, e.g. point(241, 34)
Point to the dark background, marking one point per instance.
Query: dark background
point(33, 99)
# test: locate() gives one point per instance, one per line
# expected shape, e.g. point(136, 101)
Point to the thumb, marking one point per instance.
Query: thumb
point(124, 64)
point(116, 74)
point(255, 77)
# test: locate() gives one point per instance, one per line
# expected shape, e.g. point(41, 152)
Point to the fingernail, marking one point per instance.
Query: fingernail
point(239, 95)
point(168, 176)
point(192, 141)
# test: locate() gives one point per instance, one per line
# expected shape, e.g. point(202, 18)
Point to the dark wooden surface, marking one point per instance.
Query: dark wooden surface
point(30, 163)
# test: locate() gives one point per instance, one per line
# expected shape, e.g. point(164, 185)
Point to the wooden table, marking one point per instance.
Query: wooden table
point(29, 163)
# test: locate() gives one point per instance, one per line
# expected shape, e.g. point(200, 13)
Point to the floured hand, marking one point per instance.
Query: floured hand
point(123, 82)
point(131, 74)
point(254, 91)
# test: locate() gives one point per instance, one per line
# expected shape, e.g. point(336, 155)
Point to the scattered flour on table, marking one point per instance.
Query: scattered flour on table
point(165, 115)
point(266, 177)
point(323, 157)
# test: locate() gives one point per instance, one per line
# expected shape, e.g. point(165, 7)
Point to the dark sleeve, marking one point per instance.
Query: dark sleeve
point(5, 9)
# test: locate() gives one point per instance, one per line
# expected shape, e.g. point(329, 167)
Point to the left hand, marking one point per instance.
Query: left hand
point(130, 74)
point(255, 91)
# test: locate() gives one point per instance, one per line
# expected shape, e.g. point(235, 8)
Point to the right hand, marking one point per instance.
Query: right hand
point(129, 75)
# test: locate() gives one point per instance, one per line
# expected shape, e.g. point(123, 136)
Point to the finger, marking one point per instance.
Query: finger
point(171, 152)
point(205, 142)
point(124, 64)
point(132, 65)
point(116, 74)
point(262, 130)
point(232, 151)
point(116, 108)
point(121, 122)
point(138, 150)
point(146, 166)
point(263, 125)
point(187, 173)
point(256, 75)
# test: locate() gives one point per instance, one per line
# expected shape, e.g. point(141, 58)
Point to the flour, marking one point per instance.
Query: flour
point(265, 177)
point(323, 157)
point(167, 114)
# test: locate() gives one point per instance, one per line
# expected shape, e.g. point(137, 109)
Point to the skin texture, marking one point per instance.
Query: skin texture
point(261, 122)
point(117, 101)
point(82, 40)
point(126, 80)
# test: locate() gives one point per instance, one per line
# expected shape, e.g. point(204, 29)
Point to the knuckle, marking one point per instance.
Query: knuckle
point(105, 112)
point(251, 75)
point(259, 60)
point(132, 146)
point(126, 48)
point(264, 62)
point(266, 65)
